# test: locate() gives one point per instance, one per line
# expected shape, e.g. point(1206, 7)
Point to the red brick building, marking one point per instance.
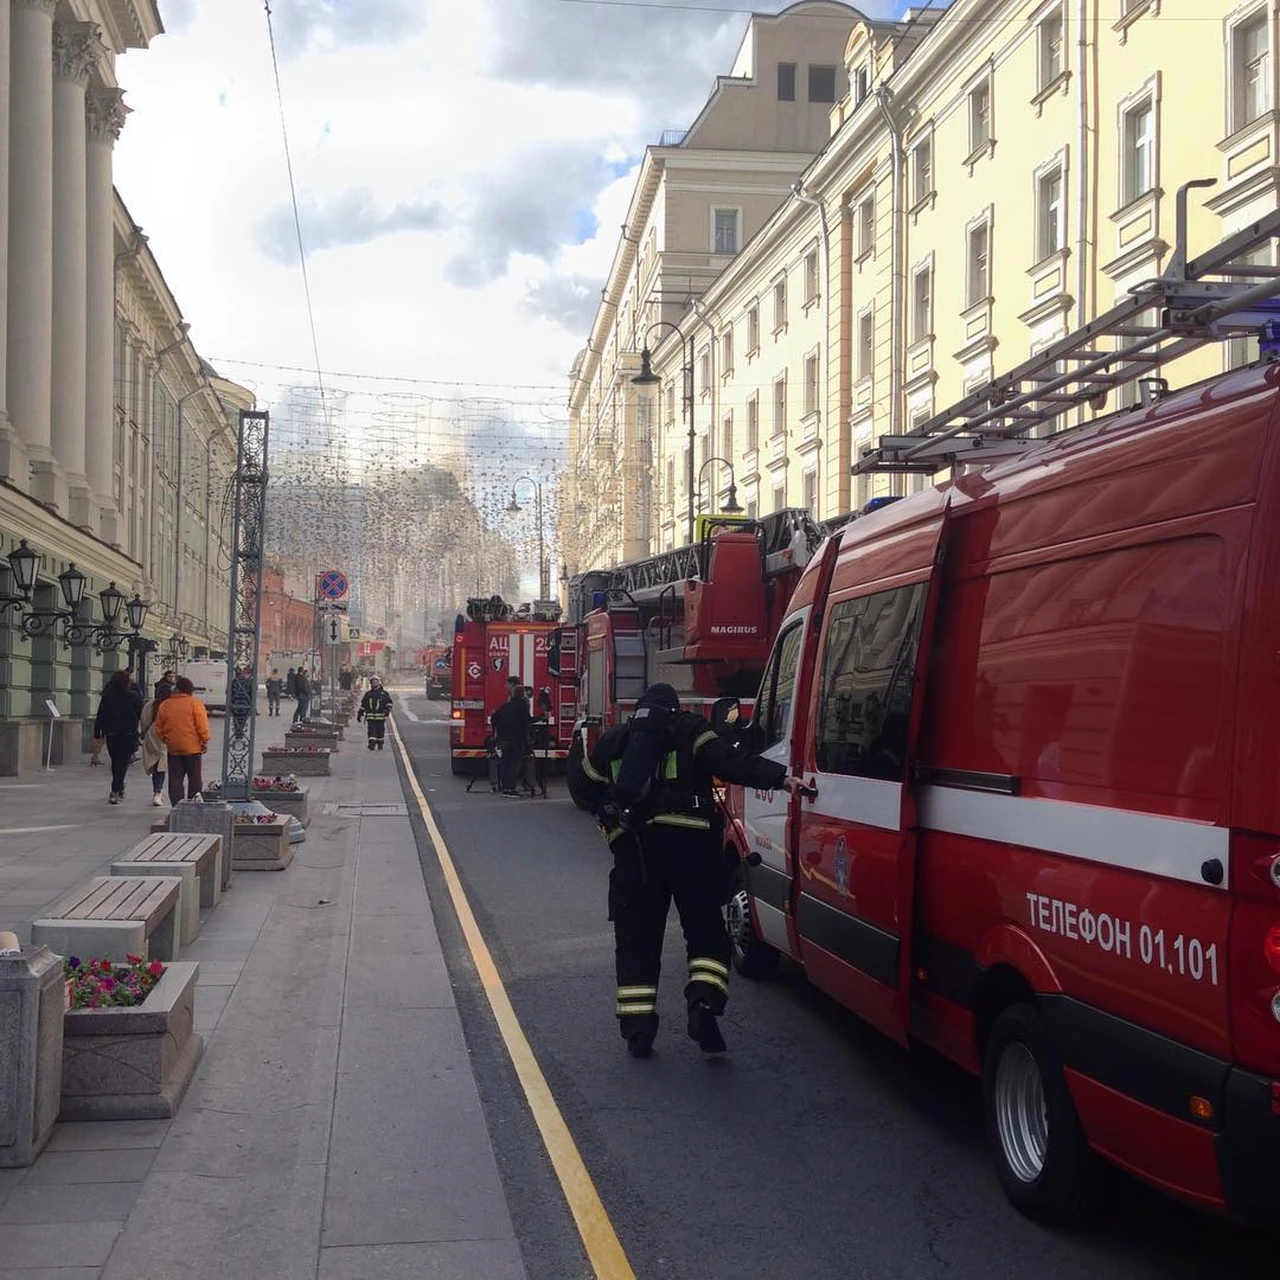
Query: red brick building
point(287, 623)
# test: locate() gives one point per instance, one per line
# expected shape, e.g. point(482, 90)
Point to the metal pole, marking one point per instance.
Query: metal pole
point(544, 588)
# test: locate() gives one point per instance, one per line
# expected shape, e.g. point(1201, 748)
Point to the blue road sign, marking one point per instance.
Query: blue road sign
point(333, 585)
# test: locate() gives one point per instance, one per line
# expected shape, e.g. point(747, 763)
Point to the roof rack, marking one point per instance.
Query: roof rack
point(1196, 301)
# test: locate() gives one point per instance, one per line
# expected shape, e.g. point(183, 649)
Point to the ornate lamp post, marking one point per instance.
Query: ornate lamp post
point(647, 378)
point(514, 508)
point(732, 507)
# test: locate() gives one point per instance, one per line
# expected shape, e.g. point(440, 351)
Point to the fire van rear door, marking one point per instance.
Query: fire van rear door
point(856, 839)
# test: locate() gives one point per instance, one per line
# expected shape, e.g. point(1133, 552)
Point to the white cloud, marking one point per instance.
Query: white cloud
point(456, 164)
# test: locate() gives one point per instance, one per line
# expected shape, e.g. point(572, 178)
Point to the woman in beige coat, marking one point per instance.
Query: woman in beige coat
point(155, 756)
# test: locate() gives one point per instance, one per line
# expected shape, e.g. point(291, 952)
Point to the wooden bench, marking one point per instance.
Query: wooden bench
point(114, 917)
point(194, 858)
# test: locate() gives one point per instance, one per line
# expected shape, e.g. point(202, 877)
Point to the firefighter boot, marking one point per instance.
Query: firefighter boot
point(704, 1028)
point(640, 1044)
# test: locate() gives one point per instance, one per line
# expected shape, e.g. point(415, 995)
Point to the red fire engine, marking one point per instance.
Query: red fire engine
point(437, 663)
point(492, 644)
point(1040, 712)
point(701, 618)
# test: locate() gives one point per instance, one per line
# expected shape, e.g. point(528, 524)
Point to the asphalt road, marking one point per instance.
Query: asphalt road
point(814, 1149)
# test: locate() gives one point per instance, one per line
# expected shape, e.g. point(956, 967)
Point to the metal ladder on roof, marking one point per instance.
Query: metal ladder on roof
point(1196, 301)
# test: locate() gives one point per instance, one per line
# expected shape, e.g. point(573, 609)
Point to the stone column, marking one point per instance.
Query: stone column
point(13, 457)
point(76, 48)
point(106, 112)
point(29, 342)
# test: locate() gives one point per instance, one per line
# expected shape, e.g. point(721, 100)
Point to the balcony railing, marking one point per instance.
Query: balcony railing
point(673, 137)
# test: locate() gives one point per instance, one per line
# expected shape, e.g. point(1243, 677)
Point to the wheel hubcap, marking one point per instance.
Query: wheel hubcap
point(737, 919)
point(1022, 1117)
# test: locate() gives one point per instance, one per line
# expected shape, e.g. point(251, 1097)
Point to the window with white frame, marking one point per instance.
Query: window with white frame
point(726, 436)
point(686, 460)
point(753, 328)
point(1250, 70)
point(704, 369)
point(811, 384)
point(866, 343)
point(860, 84)
point(1244, 350)
point(753, 423)
point(979, 263)
point(779, 496)
point(779, 304)
point(922, 303)
point(671, 404)
point(725, 231)
point(1138, 158)
point(811, 276)
point(753, 509)
point(780, 405)
point(1050, 231)
point(726, 352)
point(811, 493)
point(671, 482)
point(922, 171)
point(867, 223)
point(1049, 41)
point(979, 116)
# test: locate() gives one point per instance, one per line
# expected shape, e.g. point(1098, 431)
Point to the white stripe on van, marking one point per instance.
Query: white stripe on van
point(530, 671)
point(1171, 847)
point(870, 801)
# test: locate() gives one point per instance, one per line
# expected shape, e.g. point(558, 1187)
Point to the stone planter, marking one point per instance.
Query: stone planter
point(132, 1064)
point(328, 740)
point(261, 846)
point(293, 803)
point(305, 764)
point(31, 1003)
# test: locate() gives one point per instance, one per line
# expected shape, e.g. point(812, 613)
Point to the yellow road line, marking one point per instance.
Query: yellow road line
point(604, 1249)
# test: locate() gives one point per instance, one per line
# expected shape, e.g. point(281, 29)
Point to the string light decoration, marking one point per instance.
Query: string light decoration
point(407, 492)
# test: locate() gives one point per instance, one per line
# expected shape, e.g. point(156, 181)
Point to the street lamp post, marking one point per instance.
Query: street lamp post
point(732, 507)
point(647, 378)
point(514, 508)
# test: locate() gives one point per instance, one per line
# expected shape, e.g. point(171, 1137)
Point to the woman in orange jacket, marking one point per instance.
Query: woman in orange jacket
point(182, 724)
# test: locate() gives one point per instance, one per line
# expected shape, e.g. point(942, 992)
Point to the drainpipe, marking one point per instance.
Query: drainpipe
point(1082, 200)
point(883, 97)
point(824, 391)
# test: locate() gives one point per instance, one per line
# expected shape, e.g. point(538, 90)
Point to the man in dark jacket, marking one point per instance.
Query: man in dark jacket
point(511, 730)
point(375, 707)
point(301, 691)
point(117, 722)
point(650, 784)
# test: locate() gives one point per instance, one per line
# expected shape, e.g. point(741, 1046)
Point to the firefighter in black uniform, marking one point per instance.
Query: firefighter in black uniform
point(375, 707)
point(649, 783)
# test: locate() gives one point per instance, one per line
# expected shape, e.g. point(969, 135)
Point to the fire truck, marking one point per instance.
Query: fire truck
point(494, 642)
point(1038, 712)
point(437, 660)
point(701, 618)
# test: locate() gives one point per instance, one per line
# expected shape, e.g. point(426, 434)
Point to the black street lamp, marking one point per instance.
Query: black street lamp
point(732, 507)
point(514, 508)
point(23, 563)
point(71, 585)
point(647, 378)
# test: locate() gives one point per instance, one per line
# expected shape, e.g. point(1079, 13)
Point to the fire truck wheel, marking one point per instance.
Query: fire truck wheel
point(1041, 1154)
point(752, 957)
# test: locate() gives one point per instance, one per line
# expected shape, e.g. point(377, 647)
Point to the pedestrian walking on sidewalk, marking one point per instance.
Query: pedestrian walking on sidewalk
point(275, 686)
point(117, 723)
point(182, 724)
point(375, 707)
point(291, 684)
point(302, 691)
point(511, 730)
point(155, 758)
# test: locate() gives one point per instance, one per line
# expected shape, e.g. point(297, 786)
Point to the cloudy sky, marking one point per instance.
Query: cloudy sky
point(462, 168)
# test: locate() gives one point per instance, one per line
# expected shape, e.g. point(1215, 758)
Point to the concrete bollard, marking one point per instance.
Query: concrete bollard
point(32, 1002)
point(207, 818)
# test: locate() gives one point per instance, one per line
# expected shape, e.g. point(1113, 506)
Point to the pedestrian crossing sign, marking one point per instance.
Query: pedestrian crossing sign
point(353, 633)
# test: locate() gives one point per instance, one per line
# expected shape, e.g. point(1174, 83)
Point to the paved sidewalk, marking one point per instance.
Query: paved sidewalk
point(333, 1130)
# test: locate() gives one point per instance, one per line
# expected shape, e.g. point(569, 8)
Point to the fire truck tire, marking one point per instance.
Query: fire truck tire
point(752, 956)
point(1041, 1153)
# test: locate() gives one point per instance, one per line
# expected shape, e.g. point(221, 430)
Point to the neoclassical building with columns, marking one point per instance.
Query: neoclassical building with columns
point(117, 441)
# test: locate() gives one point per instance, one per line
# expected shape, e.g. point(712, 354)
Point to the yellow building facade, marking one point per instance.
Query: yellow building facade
point(998, 175)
